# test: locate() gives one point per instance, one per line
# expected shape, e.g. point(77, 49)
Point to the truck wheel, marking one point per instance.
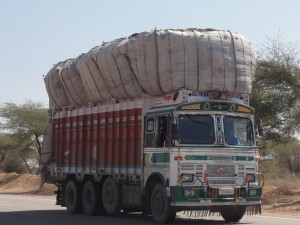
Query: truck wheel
point(160, 206)
point(91, 199)
point(233, 213)
point(111, 196)
point(73, 197)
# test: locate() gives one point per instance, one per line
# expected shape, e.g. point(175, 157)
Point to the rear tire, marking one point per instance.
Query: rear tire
point(73, 197)
point(111, 196)
point(233, 213)
point(91, 199)
point(161, 209)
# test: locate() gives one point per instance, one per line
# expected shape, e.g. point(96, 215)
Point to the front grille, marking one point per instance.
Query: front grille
point(221, 182)
point(250, 170)
point(221, 170)
point(187, 167)
point(218, 175)
point(191, 168)
point(241, 171)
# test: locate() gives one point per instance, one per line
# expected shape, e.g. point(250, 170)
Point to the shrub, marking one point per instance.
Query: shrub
point(13, 164)
point(288, 157)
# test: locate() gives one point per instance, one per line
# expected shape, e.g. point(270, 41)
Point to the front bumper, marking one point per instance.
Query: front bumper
point(210, 196)
point(205, 203)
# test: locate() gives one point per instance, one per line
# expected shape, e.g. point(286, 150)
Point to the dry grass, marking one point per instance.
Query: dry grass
point(281, 194)
point(290, 184)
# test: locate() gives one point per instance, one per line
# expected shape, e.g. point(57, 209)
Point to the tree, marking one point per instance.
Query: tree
point(25, 125)
point(288, 156)
point(5, 144)
point(276, 89)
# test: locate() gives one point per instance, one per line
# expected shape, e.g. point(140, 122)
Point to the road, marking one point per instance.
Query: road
point(32, 210)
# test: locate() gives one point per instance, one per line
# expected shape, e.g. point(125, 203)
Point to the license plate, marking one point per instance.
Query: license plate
point(226, 191)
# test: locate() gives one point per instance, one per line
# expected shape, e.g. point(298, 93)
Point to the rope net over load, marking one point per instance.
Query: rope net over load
point(154, 63)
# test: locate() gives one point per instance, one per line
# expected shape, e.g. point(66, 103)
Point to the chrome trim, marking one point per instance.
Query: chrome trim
point(209, 203)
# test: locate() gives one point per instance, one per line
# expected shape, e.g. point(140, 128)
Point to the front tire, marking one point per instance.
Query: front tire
point(73, 197)
point(160, 205)
point(111, 196)
point(233, 213)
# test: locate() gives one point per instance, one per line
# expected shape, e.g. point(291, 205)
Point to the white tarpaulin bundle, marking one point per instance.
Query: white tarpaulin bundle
point(155, 63)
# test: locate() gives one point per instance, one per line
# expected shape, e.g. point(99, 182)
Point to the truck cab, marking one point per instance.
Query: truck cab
point(204, 149)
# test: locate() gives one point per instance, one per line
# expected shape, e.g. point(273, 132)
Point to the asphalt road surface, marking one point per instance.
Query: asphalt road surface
point(27, 210)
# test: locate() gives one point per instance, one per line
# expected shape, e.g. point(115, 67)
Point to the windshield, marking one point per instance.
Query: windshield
point(238, 131)
point(196, 129)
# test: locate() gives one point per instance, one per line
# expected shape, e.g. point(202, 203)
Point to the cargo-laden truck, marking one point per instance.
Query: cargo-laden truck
point(157, 130)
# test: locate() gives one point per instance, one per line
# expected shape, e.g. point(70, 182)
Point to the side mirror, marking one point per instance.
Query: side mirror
point(259, 128)
point(261, 131)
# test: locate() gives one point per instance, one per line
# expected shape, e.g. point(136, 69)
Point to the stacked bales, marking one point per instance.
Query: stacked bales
point(154, 63)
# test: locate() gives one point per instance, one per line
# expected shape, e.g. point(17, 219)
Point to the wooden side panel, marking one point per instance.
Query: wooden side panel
point(55, 142)
point(102, 139)
point(73, 142)
point(116, 139)
point(108, 139)
point(66, 138)
point(130, 141)
point(94, 144)
point(87, 140)
point(61, 141)
point(79, 143)
point(138, 141)
point(123, 138)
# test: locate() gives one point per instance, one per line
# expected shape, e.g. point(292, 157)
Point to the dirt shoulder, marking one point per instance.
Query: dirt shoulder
point(275, 200)
point(280, 202)
point(26, 184)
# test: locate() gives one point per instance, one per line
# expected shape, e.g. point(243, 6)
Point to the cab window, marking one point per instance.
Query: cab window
point(238, 131)
point(156, 131)
point(196, 129)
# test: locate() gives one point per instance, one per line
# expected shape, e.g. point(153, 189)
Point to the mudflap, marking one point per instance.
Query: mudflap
point(215, 211)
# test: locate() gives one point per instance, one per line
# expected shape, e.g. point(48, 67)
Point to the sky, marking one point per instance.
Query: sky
point(36, 34)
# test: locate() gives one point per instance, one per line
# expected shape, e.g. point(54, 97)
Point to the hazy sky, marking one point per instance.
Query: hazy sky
point(35, 34)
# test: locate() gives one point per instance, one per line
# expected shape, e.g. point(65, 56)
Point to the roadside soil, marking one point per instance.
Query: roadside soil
point(280, 202)
point(24, 184)
point(274, 200)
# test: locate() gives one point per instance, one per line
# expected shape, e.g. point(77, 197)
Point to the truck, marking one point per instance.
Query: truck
point(185, 150)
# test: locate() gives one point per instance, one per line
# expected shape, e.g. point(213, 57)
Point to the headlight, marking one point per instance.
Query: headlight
point(189, 193)
point(187, 177)
point(252, 192)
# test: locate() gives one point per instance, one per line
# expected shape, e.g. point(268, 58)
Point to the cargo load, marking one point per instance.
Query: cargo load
point(154, 63)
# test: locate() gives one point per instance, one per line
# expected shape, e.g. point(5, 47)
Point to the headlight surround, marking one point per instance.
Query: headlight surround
point(252, 192)
point(189, 193)
point(187, 177)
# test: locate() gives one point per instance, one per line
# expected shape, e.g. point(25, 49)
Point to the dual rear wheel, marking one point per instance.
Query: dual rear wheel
point(93, 198)
point(111, 196)
point(73, 197)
